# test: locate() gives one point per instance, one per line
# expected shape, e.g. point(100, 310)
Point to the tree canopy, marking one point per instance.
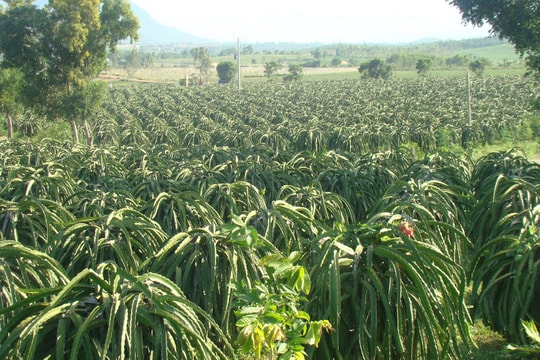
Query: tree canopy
point(423, 66)
point(61, 47)
point(375, 69)
point(295, 73)
point(226, 71)
point(270, 68)
point(516, 20)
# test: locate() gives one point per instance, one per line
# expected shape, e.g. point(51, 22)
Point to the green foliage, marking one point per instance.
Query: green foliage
point(516, 21)
point(98, 313)
point(408, 111)
point(479, 66)
point(133, 62)
point(504, 229)
point(375, 69)
point(534, 125)
point(226, 71)
point(295, 73)
point(201, 57)
point(372, 281)
point(312, 64)
point(423, 66)
point(336, 61)
point(408, 60)
point(458, 60)
point(532, 350)
point(295, 250)
point(277, 204)
point(489, 344)
point(64, 46)
point(10, 85)
point(270, 68)
point(270, 318)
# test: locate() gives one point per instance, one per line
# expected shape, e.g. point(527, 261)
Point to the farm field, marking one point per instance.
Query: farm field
point(249, 74)
point(255, 74)
point(323, 220)
point(172, 65)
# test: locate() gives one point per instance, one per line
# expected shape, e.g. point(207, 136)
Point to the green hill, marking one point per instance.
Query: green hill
point(496, 53)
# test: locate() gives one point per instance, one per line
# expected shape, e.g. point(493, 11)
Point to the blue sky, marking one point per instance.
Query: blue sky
point(349, 21)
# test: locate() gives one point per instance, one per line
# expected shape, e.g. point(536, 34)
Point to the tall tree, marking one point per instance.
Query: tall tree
point(516, 20)
point(202, 62)
point(62, 47)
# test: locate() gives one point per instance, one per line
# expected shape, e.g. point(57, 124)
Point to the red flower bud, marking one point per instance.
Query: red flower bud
point(406, 228)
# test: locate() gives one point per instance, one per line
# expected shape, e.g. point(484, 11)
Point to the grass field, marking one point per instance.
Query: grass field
point(496, 53)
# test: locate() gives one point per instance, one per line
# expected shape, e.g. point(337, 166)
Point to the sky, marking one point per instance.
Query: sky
point(331, 21)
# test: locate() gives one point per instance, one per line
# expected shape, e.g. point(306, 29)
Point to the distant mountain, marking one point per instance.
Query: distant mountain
point(154, 33)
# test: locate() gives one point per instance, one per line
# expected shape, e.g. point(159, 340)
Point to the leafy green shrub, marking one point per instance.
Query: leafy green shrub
point(270, 319)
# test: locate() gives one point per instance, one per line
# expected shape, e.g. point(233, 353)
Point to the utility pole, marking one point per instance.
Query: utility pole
point(238, 61)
